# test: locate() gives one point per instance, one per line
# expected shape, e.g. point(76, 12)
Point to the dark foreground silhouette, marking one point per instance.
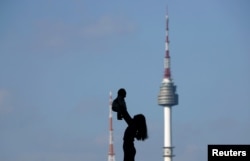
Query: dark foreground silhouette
point(137, 128)
point(119, 106)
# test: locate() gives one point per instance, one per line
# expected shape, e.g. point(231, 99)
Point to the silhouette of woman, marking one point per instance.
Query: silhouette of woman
point(137, 128)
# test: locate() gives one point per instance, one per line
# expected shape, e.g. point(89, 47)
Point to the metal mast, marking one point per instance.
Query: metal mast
point(167, 98)
point(111, 154)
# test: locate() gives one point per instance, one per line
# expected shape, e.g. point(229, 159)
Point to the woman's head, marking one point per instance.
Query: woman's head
point(140, 122)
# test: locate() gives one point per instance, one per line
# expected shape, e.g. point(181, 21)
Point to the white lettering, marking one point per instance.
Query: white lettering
point(215, 152)
point(235, 153)
point(221, 153)
point(244, 153)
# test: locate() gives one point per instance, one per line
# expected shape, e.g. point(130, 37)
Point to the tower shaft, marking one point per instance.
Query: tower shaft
point(167, 149)
point(111, 154)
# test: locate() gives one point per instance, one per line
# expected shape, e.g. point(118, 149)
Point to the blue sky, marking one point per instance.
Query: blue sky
point(60, 59)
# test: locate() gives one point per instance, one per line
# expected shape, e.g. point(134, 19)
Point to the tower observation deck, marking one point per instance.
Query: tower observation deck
point(167, 95)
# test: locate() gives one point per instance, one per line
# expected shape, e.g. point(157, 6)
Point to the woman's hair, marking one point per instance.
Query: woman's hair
point(140, 122)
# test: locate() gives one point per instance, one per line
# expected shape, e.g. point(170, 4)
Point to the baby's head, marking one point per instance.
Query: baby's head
point(122, 92)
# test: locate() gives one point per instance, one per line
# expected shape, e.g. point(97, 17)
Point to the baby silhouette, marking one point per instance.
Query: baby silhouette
point(119, 106)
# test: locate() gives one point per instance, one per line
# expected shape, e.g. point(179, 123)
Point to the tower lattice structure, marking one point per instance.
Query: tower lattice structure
point(111, 154)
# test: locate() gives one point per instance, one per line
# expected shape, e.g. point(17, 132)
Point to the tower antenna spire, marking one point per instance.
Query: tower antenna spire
point(167, 98)
point(167, 71)
point(111, 153)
